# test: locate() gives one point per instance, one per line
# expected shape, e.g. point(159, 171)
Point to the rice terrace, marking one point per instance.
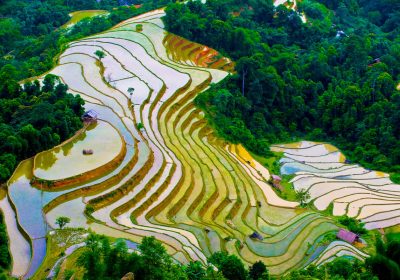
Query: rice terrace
point(149, 162)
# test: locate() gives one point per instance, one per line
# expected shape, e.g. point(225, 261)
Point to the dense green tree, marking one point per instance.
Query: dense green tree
point(231, 266)
point(100, 54)
point(258, 271)
point(111, 261)
point(353, 224)
point(386, 262)
point(333, 77)
point(34, 118)
point(62, 221)
point(5, 259)
point(195, 271)
point(303, 197)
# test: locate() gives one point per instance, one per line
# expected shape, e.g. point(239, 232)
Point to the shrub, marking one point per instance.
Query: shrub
point(352, 224)
point(139, 27)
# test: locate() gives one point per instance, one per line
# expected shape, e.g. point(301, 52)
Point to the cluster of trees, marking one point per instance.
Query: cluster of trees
point(30, 33)
point(352, 224)
point(5, 259)
point(332, 78)
point(101, 260)
point(34, 118)
point(386, 262)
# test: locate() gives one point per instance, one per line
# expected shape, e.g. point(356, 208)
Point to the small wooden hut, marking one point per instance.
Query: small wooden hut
point(276, 178)
point(276, 182)
point(256, 235)
point(87, 152)
point(347, 236)
point(90, 116)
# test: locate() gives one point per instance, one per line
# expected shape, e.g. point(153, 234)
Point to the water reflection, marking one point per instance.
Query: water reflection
point(68, 160)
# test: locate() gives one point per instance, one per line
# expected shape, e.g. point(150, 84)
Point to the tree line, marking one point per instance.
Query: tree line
point(102, 260)
point(332, 78)
point(30, 33)
point(5, 260)
point(34, 117)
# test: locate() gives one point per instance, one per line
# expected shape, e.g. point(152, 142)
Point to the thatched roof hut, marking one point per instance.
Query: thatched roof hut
point(90, 116)
point(347, 236)
point(256, 235)
point(276, 178)
point(87, 152)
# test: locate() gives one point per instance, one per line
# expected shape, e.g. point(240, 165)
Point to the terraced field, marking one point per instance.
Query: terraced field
point(173, 178)
point(79, 15)
point(367, 195)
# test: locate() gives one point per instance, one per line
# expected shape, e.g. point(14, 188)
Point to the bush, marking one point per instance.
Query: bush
point(5, 258)
point(68, 274)
point(139, 27)
point(352, 224)
point(395, 177)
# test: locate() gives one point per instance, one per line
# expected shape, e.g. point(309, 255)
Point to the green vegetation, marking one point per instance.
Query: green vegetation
point(332, 78)
point(210, 187)
point(62, 221)
point(101, 260)
point(352, 224)
point(139, 126)
point(5, 259)
point(395, 177)
point(30, 37)
point(271, 162)
point(57, 243)
point(100, 54)
point(139, 27)
point(131, 91)
point(340, 269)
point(302, 196)
point(34, 118)
point(386, 263)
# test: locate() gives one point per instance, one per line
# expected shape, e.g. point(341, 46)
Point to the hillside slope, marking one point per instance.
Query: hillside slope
point(173, 178)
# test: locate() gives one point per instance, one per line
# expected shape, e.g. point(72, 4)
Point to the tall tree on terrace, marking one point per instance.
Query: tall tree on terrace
point(244, 66)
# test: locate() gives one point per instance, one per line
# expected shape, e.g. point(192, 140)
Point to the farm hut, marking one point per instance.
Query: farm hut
point(276, 182)
point(256, 235)
point(87, 152)
point(347, 236)
point(276, 178)
point(90, 116)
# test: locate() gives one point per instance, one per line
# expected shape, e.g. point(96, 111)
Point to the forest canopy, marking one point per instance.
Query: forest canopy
point(102, 260)
point(31, 36)
point(331, 78)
